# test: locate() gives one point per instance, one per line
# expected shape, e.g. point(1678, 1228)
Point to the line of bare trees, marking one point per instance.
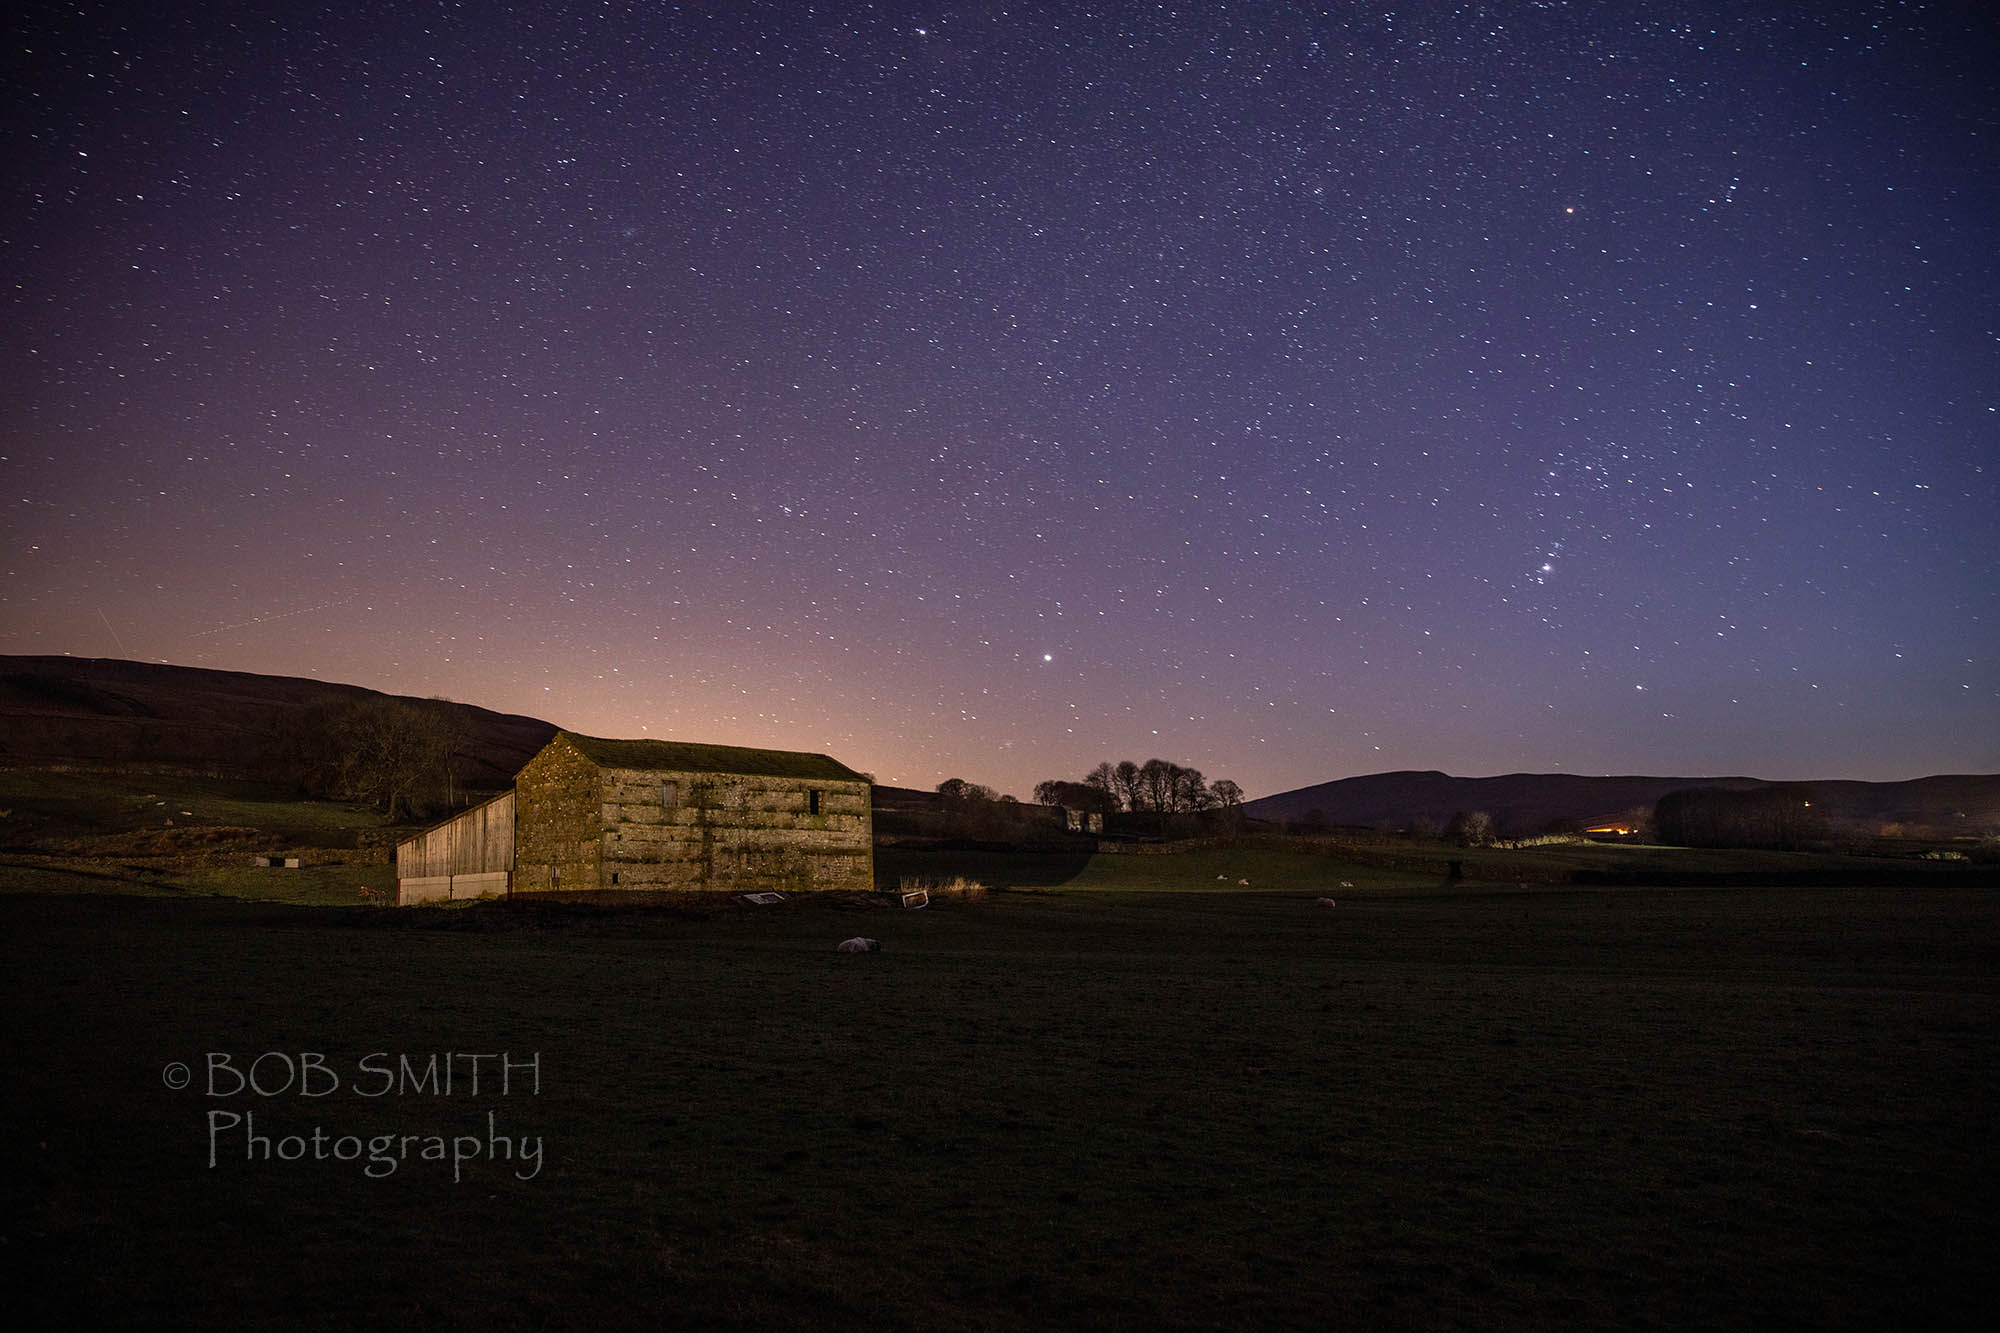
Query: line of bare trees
point(1781, 816)
point(1158, 787)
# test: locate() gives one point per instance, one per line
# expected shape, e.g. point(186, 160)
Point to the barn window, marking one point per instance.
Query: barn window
point(812, 801)
point(670, 793)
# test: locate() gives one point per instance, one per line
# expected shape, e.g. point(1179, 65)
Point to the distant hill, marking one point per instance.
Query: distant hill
point(1525, 803)
point(105, 712)
point(904, 798)
point(109, 713)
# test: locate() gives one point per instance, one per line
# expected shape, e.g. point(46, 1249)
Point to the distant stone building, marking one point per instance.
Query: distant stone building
point(594, 815)
point(1082, 821)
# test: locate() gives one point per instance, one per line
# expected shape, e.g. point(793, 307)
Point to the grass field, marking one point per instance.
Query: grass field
point(1288, 865)
point(37, 804)
point(1219, 870)
point(1426, 1107)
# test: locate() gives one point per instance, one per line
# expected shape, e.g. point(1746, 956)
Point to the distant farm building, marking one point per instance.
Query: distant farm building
point(590, 815)
point(1082, 821)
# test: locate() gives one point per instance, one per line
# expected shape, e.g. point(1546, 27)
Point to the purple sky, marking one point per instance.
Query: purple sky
point(982, 391)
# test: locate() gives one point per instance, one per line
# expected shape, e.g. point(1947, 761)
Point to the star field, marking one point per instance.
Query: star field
point(983, 391)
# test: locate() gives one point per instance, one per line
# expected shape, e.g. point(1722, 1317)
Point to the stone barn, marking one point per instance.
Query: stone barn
point(594, 815)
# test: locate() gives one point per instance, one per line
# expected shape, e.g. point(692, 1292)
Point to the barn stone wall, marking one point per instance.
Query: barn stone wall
point(558, 842)
point(579, 828)
point(735, 833)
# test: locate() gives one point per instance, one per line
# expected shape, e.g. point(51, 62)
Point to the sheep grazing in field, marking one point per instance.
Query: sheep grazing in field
point(1347, 884)
point(1244, 882)
point(1327, 902)
point(859, 944)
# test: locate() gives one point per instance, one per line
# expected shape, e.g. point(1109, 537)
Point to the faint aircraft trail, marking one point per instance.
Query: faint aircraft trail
point(266, 619)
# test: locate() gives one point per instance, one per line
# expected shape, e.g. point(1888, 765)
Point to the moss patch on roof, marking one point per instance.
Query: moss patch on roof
point(688, 757)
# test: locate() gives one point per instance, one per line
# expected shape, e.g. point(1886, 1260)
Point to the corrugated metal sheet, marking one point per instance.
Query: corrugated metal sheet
point(479, 841)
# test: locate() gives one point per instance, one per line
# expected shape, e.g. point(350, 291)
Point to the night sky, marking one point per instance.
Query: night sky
point(986, 391)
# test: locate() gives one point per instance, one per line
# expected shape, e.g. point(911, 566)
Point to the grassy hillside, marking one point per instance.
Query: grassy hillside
point(104, 712)
point(40, 808)
point(177, 835)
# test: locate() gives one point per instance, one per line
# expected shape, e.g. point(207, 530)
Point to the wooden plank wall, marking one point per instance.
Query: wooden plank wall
point(444, 888)
point(479, 841)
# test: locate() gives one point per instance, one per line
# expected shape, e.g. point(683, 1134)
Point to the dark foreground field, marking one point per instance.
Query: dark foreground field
point(1618, 1108)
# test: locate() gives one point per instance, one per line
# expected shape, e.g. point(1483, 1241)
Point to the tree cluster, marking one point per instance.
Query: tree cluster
point(1159, 787)
point(957, 791)
point(1076, 796)
point(1785, 817)
point(393, 754)
point(971, 810)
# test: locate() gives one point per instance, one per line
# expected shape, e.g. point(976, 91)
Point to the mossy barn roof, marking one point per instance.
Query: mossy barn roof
point(688, 757)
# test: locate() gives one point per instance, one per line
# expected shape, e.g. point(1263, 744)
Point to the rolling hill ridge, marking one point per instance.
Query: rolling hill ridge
point(1528, 803)
point(102, 712)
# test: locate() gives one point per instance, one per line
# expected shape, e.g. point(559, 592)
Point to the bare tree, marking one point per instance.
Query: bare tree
point(1129, 785)
point(1191, 794)
point(394, 754)
point(1228, 800)
point(1470, 828)
point(1105, 778)
point(1156, 778)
